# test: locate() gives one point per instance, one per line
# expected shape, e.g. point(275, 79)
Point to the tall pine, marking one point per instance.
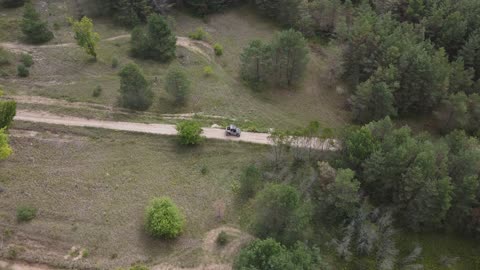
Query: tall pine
point(35, 30)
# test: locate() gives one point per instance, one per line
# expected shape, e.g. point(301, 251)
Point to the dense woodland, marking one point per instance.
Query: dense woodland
point(400, 58)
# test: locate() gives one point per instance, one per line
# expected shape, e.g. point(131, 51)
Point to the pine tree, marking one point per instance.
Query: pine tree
point(34, 29)
point(132, 12)
point(12, 3)
point(290, 57)
point(453, 114)
point(373, 101)
point(255, 67)
point(177, 84)
point(135, 91)
point(155, 42)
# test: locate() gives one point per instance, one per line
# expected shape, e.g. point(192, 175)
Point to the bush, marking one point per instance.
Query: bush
point(135, 90)
point(35, 30)
point(139, 267)
point(270, 255)
point(222, 238)
point(208, 71)
point(250, 183)
point(189, 132)
point(22, 71)
point(85, 253)
point(5, 150)
point(218, 48)
point(198, 34)
point(115, 62)
point(5, 57)
point(26, 59)
point(204, 170)
point(97, 91)
point(177, 84)
point(26, 213)
point(163, 219)
point(8, 109)
point(281, 214)
point(12, 3)
point(156, 41)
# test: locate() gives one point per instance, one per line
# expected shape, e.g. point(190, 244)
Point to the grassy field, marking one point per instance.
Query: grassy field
point(68, 73)
point(91, 187)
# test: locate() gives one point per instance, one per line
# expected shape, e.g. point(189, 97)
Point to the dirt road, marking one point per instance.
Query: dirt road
point(161, 129)
point(196, 46)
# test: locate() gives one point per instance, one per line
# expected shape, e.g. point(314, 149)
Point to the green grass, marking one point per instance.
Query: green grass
point(437, 245)
point(68, 73)
point(91, 188)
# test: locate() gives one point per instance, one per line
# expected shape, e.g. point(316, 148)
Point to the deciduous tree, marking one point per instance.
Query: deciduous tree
point(85, 36)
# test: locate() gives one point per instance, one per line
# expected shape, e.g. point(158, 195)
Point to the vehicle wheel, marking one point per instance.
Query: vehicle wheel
point(238, 135)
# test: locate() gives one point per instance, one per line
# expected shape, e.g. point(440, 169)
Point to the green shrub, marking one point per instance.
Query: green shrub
point(250, 183)
point(189, 132)
point(135, 89)
point(12, 253)
point(218, 48)
point(139, 267)
point(222, 238)
point(5, 57)
point(12, 3)
point(26, 213)
point(163, 218)
point(204, 170)
point(115, 62)
point(56, 26)
point(198, 34)
point(85, 253)
point(207, 71)
point(97, 91)
point(177, 84)
point(34, 29)
point(8, 109)
point(22, 71)
point(155, 41)
point(26, 59)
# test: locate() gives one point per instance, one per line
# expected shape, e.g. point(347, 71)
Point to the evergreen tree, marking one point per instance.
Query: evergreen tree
point(204, 7)
point(461, 79)
point(177, 84)
point(340, 199)
point(373, 101)
point(132, 12)
point(289, 57)
point(255, 67)
point(135, 92)
point(280, 214)
point(474, 115)
point(35, 30)
point(155, 42)
point(453, 114)
point(12, 3)
point(471, 53)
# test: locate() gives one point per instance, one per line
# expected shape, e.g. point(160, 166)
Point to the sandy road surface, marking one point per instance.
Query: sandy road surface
point(161, 129)
point(196, 46)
